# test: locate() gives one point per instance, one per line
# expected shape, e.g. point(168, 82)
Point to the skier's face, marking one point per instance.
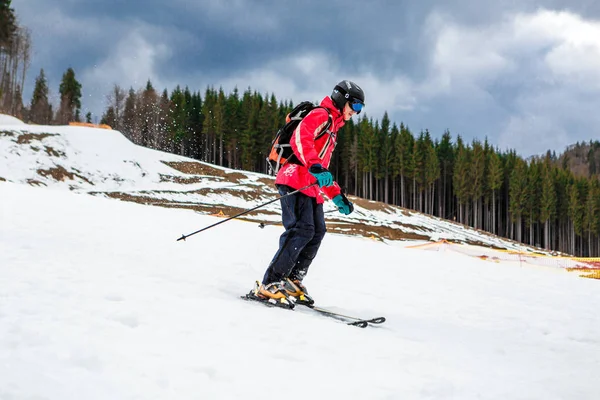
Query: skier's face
point(348, 112)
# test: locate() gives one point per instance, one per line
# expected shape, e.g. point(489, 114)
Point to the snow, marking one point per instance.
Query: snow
point(9, 120)
point(98, 300)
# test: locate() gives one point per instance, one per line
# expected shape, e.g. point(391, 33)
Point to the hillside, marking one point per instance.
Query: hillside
point(583, 159)
point(100, 301)
point(104, 163)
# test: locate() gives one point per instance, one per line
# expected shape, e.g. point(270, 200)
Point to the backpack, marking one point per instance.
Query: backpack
point(281, 151)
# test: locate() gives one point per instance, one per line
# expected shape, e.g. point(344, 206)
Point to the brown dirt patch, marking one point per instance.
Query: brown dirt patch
point(27, 138)
point(246, 195)
point(195, 168)
point(180, 180)
point(267, 181)
point(2, 179)
point(61, 174)
point(235, 177)
point(33, 182)
point(53, 153)
point(376, 206)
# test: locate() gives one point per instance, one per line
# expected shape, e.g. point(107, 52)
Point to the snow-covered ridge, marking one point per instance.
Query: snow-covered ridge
point(104, 163)
point(8, 120)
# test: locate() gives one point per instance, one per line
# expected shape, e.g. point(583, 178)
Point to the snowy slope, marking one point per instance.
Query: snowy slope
point(99, 301)
point(104, 163)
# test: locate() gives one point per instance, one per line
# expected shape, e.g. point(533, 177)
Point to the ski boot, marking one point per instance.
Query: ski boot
point(272, 294)
point(298, 292)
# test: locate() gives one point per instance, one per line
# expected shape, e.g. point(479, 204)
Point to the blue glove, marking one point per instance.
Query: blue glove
point(324, 177)
point(343, 204)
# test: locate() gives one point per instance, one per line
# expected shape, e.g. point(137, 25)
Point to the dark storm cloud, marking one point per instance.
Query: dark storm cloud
point(480, 69)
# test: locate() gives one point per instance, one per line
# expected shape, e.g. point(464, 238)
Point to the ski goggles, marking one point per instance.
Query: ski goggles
point(356, 105)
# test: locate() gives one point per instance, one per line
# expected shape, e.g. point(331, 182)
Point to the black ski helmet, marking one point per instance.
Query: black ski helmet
point(346, 91)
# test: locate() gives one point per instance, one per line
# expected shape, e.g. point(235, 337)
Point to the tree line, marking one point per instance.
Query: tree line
point(538, 201)
point(15, 59)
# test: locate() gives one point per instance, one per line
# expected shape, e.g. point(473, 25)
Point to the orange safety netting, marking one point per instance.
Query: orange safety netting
point(90, 125)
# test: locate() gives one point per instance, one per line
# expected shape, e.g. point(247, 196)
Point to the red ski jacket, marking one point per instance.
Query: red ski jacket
point(310, 151)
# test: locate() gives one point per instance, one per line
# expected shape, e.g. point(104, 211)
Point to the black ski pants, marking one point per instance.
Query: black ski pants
point(304, 224)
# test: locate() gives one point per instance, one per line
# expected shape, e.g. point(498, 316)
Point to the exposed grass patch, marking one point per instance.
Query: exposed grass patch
point(33, 182)
point(61, 174)
point(53, 153)
point(26, 138)
point(197, 168)
point(180, 180)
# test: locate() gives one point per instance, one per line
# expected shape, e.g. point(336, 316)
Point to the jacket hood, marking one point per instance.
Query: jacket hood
point(328, 103)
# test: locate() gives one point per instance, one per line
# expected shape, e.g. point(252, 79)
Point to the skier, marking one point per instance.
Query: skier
point(302, 213)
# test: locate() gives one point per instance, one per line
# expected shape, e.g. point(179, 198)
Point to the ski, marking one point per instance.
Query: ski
point(288, 303)
point(283, 303)
point(349, 320)
point(341, 318)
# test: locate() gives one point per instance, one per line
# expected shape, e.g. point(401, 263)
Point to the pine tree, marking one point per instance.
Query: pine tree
point(40, 108)
point(219, 120)
point(208, 126)
point(461, 179)
point(268, 124)
point(494, 181)
point(577, 194)
point(518, 195)
point(386, 154)
point(250, 109)
point(8, 24)
point(348, 140)
point(394, 138)
point(432, 172)
point(179, 120)
point(70, 98)
point(130, 121)
point(109, 117)
point(547, 200)
point(406, 163)
point(195, 125)
point(369, 152)
point(505, 225)
point(532, 206)
point(477, 177)
point(590, 214)
point(233, 127)
point(445, 155)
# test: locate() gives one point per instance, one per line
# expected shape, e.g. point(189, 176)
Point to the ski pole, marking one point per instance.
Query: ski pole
point(183, 237)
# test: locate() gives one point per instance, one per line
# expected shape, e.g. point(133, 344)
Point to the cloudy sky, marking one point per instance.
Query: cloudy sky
point(525, 74)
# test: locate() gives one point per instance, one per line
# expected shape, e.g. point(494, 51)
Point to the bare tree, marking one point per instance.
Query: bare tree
point(25, 54)
point(116, 100)
point(15, 56)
